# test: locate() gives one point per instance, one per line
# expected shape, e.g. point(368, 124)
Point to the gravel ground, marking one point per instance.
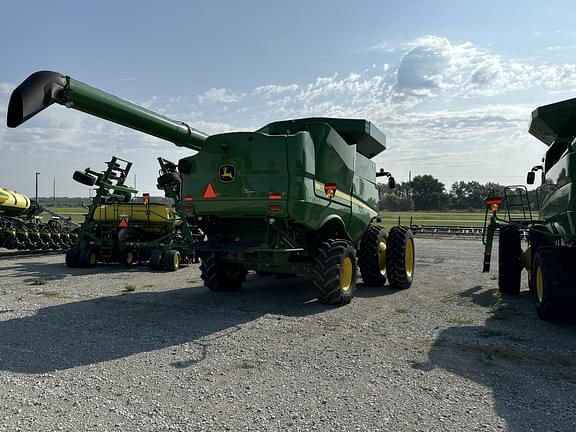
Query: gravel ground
point(80, 351)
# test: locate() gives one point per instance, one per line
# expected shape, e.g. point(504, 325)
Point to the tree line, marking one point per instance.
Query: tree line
point(425, 192)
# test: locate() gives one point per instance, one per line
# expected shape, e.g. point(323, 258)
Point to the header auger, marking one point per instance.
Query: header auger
point(294, 197)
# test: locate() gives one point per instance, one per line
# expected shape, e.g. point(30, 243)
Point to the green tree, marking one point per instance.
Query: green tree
point(428, 193)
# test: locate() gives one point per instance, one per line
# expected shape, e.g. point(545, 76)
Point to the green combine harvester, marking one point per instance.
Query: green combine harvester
point(21, 225)
point(294, 197)
point(551, 252)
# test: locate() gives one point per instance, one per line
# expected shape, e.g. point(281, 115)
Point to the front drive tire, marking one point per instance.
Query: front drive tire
point(400, 257)
point(335, 272)
point(509, 265)
point(372, 255)
point(221, 276)
point(552, 279)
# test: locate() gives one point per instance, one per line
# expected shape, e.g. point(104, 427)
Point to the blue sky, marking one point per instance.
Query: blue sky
point(451, 83)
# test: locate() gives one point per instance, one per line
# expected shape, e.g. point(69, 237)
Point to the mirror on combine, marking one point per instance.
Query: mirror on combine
point(530, 177)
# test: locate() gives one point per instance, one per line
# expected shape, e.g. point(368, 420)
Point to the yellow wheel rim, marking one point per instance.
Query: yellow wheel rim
point(382, 257)
point(346, 273)
point(92, 259)
point(539, 285)
point(409, 257)
point(176, 261)
point(129, 257)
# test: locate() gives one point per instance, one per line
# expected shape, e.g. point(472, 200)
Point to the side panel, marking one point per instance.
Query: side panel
point(559, 204)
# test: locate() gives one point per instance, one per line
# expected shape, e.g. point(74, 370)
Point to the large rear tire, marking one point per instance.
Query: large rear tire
point(372, 256)
point(552, 275)
point(509, 265)
point(400, 257)
point(335, 272)
point(221, 276)
point(538, 236)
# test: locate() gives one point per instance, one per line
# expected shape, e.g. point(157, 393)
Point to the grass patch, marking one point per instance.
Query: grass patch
point(460, 321)
point(526, 357)
point(245, 364)
point(53, 294)
point(148, 286)
point(129, 288)
point(39, 281)
point(402, 310)
point(487, 333)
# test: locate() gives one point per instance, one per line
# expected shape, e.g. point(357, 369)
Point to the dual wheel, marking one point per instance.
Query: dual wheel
point(551, 272)
point(382, 256)
point(169, 260)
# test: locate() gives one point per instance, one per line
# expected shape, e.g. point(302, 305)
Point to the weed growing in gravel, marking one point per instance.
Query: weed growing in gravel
point(402, 310)
point(39, 281)
point(244, 364)
point(129, 288)
point(52, 294)
point(486, 333)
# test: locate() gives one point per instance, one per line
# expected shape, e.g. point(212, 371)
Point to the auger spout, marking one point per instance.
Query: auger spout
point(42, 89)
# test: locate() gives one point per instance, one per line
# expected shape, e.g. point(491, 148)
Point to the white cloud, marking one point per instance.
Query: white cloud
point(434, 65)
point(219, 95)
point(270, 90)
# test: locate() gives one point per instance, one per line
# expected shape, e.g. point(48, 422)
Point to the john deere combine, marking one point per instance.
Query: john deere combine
point(118, 229)
point(294, 197)
point(551, 237)
point(21, 226)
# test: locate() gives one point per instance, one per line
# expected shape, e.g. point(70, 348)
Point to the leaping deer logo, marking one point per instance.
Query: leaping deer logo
point(227, 173)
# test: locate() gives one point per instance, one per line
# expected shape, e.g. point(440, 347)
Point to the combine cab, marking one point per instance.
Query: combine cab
point(551, 237)
point(294, 197)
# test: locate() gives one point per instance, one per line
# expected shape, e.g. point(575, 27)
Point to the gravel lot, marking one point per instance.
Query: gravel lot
point(79, 351)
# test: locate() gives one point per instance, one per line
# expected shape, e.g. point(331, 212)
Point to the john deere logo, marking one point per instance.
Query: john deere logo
point(227, 173)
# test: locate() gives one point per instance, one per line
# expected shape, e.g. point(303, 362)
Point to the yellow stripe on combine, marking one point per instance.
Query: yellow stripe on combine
point(344, 196)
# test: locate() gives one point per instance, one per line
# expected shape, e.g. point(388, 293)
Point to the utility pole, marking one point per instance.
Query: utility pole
point(54, 193)
point(409, 184)
point(37, 174)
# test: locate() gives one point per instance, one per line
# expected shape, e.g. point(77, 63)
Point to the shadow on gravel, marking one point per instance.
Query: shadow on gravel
point(56, 271)
point(108, 328)
point(366, 291)
point(529, 364)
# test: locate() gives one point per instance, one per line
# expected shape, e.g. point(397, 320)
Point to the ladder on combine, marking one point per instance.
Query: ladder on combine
point(517, 204)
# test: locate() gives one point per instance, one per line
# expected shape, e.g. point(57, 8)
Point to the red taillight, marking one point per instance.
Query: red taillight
point(494, 203)
point(330, 189)
point(274, 208)
point(209, 192)
point(493, 200)
point(275, 196)
point(187, 198)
